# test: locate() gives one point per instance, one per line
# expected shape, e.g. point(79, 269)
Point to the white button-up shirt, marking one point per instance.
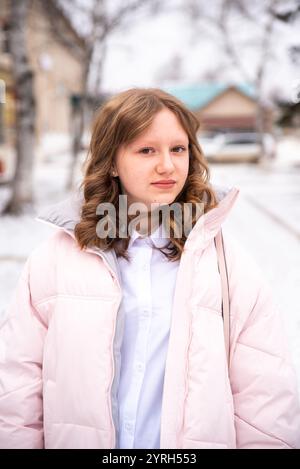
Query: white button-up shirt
point(148, 288)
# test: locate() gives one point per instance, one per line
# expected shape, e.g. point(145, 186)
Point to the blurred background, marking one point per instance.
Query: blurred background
point(235, 63)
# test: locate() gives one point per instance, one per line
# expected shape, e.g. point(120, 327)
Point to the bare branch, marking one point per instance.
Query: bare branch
point(288, 15)
point(124, 12)
point(228, 44)
point(57, 27)
point(266, 43)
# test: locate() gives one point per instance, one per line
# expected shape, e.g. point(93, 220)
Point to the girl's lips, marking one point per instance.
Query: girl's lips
point(163, 185)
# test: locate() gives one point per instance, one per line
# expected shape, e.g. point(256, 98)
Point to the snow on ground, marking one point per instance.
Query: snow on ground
point(20, 235)
point(265, 219)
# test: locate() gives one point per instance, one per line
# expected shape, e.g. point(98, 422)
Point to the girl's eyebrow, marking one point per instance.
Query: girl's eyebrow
point(178, 141)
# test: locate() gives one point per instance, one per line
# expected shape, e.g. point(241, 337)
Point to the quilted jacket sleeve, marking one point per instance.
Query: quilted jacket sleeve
point(21, 349)
point(263, 380)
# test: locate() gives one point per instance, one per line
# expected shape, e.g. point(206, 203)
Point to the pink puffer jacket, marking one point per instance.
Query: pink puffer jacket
point(60, 349)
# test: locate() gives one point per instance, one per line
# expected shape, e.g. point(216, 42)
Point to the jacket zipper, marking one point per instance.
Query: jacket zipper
point(114, 277)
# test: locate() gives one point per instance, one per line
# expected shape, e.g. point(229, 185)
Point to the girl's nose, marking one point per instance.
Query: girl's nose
point(165, 164)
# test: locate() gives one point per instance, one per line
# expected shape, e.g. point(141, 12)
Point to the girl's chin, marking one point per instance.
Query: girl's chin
point(158, 200)
point(163, 200)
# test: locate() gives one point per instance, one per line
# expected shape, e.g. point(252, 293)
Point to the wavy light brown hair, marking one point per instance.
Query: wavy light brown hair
point(120, 121)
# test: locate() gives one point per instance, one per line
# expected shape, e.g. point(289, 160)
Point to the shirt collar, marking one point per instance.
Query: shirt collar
point(159, 237)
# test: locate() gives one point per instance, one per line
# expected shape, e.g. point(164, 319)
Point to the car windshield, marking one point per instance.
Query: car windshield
point(241, 138)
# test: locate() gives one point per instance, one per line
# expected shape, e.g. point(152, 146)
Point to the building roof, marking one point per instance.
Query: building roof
point(198, 96)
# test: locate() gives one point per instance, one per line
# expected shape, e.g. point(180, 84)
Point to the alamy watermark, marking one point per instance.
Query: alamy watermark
point(137, 216)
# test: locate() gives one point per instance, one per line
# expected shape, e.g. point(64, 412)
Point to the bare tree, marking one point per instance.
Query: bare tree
point(171, 71)
point(255, 23)
point(22, 187)
point(102, 18)
point(264, 51)
point(290, 14)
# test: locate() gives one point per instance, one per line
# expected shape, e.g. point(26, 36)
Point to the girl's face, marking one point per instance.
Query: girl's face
point(159, 155)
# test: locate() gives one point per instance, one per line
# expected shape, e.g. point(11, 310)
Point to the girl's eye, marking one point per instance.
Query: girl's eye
point(179, 149)
point(146, 151)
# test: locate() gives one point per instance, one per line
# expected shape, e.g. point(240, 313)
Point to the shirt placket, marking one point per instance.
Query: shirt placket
point(143, 284)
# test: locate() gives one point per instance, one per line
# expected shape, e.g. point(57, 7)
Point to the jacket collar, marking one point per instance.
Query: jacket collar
point(66, 214)
point(210, 223)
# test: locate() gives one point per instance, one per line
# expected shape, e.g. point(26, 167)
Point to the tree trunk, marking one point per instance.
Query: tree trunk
point(77, 125)
point(22, 190)
point(260, 127)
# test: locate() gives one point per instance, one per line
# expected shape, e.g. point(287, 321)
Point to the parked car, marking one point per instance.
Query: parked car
point(233, 147)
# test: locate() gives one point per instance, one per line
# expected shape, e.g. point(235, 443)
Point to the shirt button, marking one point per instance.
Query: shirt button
point(128, 427)
point(140, 367)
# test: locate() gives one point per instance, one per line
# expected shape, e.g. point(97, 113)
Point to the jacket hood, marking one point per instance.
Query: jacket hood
point(66, 214)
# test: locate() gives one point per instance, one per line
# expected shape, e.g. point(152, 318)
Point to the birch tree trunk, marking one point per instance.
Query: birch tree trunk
point(22, 185)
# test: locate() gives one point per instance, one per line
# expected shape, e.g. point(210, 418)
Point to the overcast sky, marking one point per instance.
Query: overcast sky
point(142, 56)
point(146, 52)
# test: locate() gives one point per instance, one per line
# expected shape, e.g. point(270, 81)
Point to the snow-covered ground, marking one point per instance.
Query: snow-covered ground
point(265, 219)
point(20, 235)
